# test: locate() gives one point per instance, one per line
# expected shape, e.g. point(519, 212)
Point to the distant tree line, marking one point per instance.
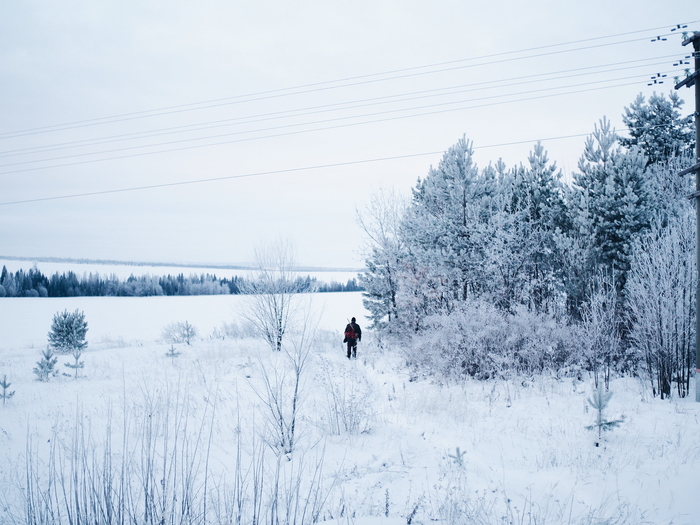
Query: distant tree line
point(33, 283)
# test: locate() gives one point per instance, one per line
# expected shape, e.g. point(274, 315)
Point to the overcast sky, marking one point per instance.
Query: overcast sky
point(103, 96)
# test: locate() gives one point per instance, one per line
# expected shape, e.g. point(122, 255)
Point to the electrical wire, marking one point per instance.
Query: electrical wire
point(271, 172)
point(280, 171)
point(317, 86)
point(339, 106)
point(324, 121)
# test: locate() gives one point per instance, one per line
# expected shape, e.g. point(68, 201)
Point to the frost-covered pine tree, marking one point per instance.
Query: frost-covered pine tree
point(539, 190)
point(612, 203)
point(172, 353)
point(537, 207)
point(453, 217)
point(658, 128)
point(67, 333)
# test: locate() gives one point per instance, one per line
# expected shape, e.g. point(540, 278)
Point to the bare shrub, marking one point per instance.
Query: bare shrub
point(282, 389)
point(155, 467)
point(180, 332)
point(349, 395)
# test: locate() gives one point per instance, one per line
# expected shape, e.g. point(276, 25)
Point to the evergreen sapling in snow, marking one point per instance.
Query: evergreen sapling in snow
point(599, 401)
point(45, 367)
point(78, 363)
point(5, 387)
point(172, 353)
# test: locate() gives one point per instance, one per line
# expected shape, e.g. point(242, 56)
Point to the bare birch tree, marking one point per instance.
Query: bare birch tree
point(661, 301)
point(600, 337)
point(271, 293)
point(282, 392)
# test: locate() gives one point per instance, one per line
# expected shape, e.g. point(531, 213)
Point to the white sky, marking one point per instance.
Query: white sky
point(75, 61)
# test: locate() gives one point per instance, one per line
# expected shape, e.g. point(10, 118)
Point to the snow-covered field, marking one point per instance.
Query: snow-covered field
point(373, 443)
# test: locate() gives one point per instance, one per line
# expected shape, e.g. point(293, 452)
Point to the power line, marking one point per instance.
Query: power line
point(287, 170)
point(324, 121)
point(273, 172)
point(339, 106)
point(317, 85)
point(281, 171)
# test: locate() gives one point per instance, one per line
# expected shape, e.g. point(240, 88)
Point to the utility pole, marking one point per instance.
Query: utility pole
point(694, 80)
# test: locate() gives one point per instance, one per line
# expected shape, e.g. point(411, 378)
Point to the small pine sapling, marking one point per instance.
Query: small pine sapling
point(172, 353)
point(189, 332)
point(6, 394)
point(78, 363)
point(599, 401)
point(45, 367)
point(458, 456)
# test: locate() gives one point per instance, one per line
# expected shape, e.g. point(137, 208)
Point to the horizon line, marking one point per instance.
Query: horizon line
point(219, 266)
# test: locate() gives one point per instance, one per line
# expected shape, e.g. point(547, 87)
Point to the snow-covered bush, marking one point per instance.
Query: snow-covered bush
point(234, 330)
point(482, 341)
point(272, 294)
point(598, 333)
point(181, 332)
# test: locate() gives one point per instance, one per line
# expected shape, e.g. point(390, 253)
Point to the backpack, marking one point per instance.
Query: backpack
point(350, 332)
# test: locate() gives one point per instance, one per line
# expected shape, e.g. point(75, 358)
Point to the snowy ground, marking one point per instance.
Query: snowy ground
point(376, 445)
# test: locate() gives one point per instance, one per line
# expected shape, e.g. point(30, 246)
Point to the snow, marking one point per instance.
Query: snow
point(513, 451)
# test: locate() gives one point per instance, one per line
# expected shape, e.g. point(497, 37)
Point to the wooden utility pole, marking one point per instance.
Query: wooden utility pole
point(693, 80)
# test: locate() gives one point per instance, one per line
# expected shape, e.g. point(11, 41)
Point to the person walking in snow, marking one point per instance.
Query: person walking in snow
point(353, 334)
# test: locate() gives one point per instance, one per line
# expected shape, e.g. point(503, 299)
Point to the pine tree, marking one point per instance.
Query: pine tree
point(172, 353)
point(6, 394)
point(68, 331)
point(599, 401)
point(539, 191)
point(45, 367)
point(78, 365)
point(452, 220)
point(658, 128)
point(612, 203)
point(540, 217)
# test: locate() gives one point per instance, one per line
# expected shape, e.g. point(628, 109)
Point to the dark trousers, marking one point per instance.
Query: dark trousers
point(352, 348)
